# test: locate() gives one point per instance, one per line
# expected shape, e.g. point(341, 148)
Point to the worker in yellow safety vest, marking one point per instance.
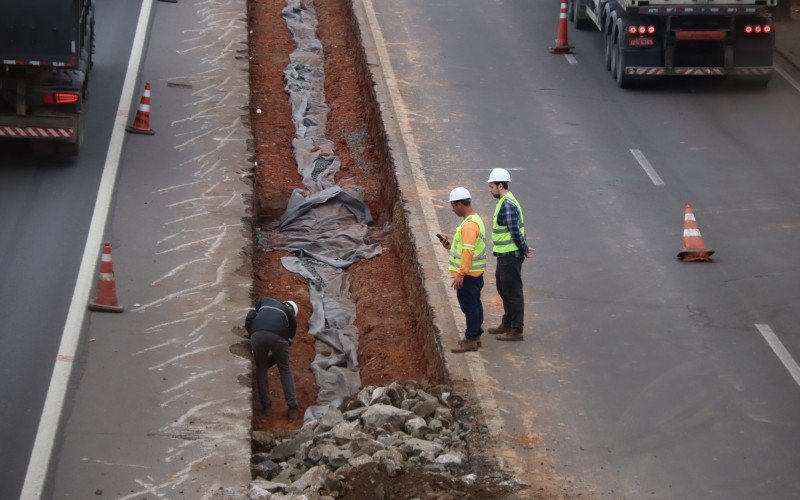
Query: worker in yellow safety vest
point(511, 249)
point(467, 262)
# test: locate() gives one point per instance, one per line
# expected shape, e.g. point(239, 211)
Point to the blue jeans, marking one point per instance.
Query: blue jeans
point(469, 298)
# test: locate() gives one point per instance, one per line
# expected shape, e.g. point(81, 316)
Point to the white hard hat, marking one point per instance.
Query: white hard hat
point(499, 175)
point(459, 193)
point(293, 306)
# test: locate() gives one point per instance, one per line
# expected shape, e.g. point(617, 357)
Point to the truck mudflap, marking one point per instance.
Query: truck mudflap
point(61, 128)
point(642, 71)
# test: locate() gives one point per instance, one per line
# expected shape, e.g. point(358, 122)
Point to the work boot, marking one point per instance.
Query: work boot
point(466, 345)
point(503, 328)
point(514, 334)
point(266, 409)
point(293, 413)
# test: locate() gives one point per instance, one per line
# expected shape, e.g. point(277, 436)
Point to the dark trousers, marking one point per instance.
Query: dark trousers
point(271, 349)
point(469, 298)
point(508, 277)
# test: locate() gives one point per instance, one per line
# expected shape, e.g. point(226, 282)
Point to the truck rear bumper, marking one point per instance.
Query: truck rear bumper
point(645, 71)
point(63, 128)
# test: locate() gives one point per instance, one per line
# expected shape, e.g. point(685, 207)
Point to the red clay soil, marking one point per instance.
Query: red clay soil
point(393, 341)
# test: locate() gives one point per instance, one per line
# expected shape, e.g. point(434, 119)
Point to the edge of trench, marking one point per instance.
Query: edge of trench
point(416, 199)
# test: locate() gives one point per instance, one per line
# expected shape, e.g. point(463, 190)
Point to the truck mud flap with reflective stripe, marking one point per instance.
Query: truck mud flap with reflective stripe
point(37, 132)
point(712, 71)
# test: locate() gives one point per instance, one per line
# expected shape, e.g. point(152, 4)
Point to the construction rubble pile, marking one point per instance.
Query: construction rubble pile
point(400, 426)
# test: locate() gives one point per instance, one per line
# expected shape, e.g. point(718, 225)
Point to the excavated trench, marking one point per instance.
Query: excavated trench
point(396, 339)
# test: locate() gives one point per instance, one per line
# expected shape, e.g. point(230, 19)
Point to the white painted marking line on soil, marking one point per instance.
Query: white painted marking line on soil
point(57, 391)
point(781, 351)
point(786, 76)
point(570, 59)
point(494, 421)
point(649, 170)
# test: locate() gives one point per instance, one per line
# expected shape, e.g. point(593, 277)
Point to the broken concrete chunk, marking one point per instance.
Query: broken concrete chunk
point(426, 408)
point(268, 486)
point(360, 460)
point(343, 431)
point(355, 413)
point(331, 417)
point(449, 459)
point(312, 481)
point(416, 426)
point(415, 446)
point(378, 415)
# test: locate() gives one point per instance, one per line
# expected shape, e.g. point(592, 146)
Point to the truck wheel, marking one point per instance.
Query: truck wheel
point(623, 81)
point(607, 48)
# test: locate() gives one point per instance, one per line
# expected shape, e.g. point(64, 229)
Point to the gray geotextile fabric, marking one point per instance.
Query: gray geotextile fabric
point(329, 226)
point(324, 226)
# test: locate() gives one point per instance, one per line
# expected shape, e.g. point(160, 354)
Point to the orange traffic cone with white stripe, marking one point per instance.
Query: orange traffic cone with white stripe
point(562, 45)
point(141, 123)
point(106, 300)
point(694, 249)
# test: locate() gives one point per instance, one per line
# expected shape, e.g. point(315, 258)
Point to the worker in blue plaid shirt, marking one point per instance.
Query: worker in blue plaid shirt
point(511, 249)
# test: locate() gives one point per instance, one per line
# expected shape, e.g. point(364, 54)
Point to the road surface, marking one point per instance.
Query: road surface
point(640, 375)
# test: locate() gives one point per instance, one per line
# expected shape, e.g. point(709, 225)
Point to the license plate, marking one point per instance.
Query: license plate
point(641, 42)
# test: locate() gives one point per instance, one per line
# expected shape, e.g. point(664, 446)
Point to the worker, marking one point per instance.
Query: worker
point(272, 325)
point(467, 262)
point(511, 249)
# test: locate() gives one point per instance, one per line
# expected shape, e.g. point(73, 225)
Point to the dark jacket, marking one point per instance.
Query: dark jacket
point(272, 316)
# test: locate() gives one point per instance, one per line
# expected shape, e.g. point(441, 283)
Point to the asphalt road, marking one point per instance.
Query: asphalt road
point(46, 205)
point(640, 375)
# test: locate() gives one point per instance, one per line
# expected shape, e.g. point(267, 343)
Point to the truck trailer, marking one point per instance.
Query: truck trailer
point(46, 51)
point(646, 39)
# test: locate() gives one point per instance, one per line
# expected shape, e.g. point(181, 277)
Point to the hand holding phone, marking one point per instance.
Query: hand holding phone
point(443, 240)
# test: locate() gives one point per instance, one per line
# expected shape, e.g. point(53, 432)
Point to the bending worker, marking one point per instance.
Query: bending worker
point(511, 249)
point(467, 261)
point(272, 325)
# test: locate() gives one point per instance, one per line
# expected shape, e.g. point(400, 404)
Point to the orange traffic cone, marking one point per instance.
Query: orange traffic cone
point(141, 124)
point(106, 300)
point(694, 249)
point(562, 45)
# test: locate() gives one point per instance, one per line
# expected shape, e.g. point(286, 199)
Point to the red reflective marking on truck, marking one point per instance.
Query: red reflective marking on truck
point(699, 35)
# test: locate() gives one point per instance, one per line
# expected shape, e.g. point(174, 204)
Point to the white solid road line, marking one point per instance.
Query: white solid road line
point(787, 77)
point(59, 381)
point(651, 172)
point(779, 349)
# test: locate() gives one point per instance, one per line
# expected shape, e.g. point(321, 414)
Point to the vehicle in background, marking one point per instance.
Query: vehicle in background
point(46, 51)
point(645, 39)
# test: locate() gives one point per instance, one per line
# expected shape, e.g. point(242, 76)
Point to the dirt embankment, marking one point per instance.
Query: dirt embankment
point(396, 339)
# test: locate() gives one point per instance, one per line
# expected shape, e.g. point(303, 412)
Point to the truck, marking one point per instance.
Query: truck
point(647, 39)
point(46, 49)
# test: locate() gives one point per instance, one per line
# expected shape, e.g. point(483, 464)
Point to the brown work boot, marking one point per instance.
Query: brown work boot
point(511, 335)
point(466, 346)
point(503, 328)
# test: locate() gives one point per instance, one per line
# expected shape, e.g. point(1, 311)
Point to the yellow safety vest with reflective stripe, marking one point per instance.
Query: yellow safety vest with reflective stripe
point(501, 236)
point(478, 250)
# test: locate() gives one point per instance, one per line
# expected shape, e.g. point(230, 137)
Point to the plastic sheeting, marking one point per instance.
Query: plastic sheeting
point(324, 225)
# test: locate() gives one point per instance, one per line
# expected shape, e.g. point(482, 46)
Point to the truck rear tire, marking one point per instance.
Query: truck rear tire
point(623, 81)
point(608, 46)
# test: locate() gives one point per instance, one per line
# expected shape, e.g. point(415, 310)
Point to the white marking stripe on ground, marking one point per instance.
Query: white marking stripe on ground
point(570, 59)
point(779, 349)
point(786, 76)
point(651, 172)
point(59, 381)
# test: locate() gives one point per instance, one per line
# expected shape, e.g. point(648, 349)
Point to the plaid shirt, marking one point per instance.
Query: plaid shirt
point(509, 217)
